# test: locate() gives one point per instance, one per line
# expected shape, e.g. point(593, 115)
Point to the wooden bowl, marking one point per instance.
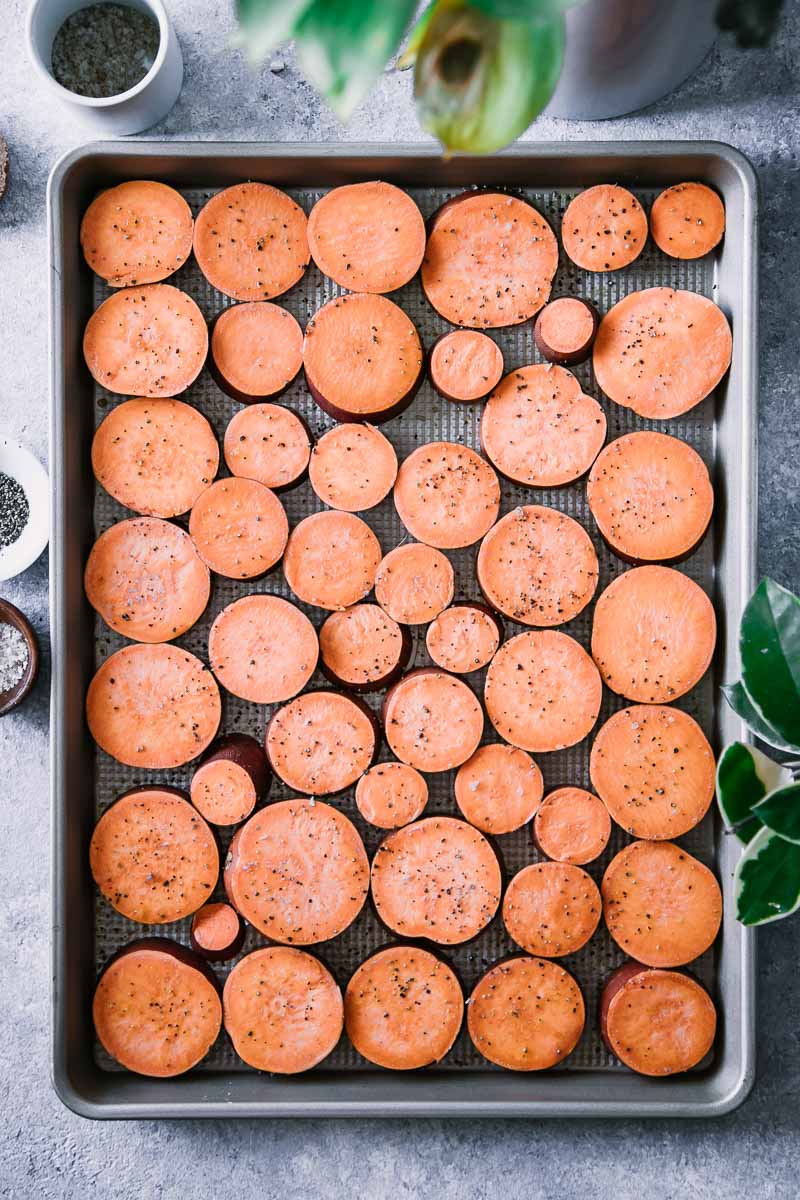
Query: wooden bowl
point(9, 615)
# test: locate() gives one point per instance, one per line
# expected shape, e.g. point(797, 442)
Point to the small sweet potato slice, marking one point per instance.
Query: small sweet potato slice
point(572, 826)
point(499, 788)
point(256, 351)
point(660, 1023)
point(432, 720)
point(137, 232)
point(353, 467)
point(331, 560)
point(268, 443)
point(687, 220)
point(551, 909)
point(414, 583)
point(604, 228)
point(263, 649)
point(391, 794)
point(240, 528)
point(465, 365)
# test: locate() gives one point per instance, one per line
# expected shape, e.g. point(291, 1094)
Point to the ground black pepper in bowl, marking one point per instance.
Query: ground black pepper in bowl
point(104, 50)
point(14, 510)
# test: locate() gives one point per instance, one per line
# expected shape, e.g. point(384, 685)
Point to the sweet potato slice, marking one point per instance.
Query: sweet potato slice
point(155, 456)
point(322, 742)
point(661, 906)
point(256, 351)
point(232, 778)
point(464, 637)
point(147, 341)
point(572, 826)
point(153, 857)
point(542, 691)
point(465, 365)
point(526, 1014)
point(653, 634)
point(414, 583)
point(270, 444)
point(651, 497)
point(490, 260)
point(551, 909)
point(660, 352)
point(499, 789)
point(687, 220)
point(298, 872)
point(438, 879)
point(353, 467)
point(157, 1008)
point(367, 237)
point(565, 330)
point(250, 241)
point(539, 429)
point(137, 232)
point(446, 495)
point(146, 580)
point(263, 649)
point(217, 932)
point(653, 769)
point(432, 720)
point(537, 566)
point(403, 1008)
point(282, 1010)
point(153, 706)
point(363, 648)
point(604, 228)
point(331, 560)
point(661, 1023)
point(391, 794)
point(363, 358)
point(240, 528)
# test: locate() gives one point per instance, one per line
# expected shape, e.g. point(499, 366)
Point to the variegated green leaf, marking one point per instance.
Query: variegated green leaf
point(739, 701)
point(767, 880)
point(264, 24)
point(780, 811)
point(744, 777)
point(769, 644)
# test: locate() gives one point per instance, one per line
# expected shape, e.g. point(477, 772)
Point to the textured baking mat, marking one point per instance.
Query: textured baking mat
point(428, 419)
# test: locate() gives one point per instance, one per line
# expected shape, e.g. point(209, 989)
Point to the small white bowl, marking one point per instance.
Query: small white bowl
point(21, 465)
point(142, 105)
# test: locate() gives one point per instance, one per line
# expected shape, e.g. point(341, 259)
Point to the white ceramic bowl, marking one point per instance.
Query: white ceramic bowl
point(111, 116)
point(21, 465)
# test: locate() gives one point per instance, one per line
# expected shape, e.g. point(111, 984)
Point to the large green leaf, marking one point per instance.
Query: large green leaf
point(767, 879)
point(479, 82)
point(264, 24)
point(780, 811)
point(769, 644)
point(343, 45)
point(739, 701)
point(744, 777)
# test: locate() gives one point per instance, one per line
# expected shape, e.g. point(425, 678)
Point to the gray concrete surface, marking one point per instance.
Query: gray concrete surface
point(747, 99)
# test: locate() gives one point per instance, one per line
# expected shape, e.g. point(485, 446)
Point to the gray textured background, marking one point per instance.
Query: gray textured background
point(748, 99)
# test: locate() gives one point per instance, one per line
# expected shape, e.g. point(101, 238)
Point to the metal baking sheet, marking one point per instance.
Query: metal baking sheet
point(721, 429)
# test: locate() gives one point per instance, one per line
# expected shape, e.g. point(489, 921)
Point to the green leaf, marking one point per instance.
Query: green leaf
point(744, 777)
point(769, 644)
point(780, 812)
point(264, 24)
point(767, 879)
point(739, 701)
point(343, 45)
point(409, 55)
point(524, 10)
point(479, 82)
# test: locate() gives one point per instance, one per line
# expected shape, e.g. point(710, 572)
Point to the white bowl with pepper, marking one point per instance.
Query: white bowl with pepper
point(24, 499)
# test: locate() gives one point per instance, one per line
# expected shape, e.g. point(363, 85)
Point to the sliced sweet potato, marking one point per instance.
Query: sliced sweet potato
point(651, 497)
point(565, 330)
point(331, 560)
point(438, 879)
point(465, 365)
point(687, 220)
point(414, 583)
point(446, 495)
point(670, 631)
point(539, 429)
point(256, 351)
point(653, 769)
point(367, 237)
point(432, 720)
point(240, 528)
point(146, 341)
point(490, 260)
point(263, 649)
point(353, 467)
point(464, 637)
point(363, 358)
point(298, 872)
point(542, 691)
point(322, 742)
point(661, 1023)
point(232, 778)
point(572, 826)
point(137, 232)
point(660, 905)
point(363, 648)
point(499, 789)
point(250, 241)
point(155, 456)
point(270, 444)
point(551, 909)
point(537, 566)
point(391, 794)
point(153, 706)
point(604, 228)
point(217, 932)
point(660, 352)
